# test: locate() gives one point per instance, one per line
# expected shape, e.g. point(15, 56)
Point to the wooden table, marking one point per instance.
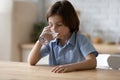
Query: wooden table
point(22, 71)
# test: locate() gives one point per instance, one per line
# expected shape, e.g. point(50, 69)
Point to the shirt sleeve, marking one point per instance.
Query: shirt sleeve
point(86, 46)
point(44, 51)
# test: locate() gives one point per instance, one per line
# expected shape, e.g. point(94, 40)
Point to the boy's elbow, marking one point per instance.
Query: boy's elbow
point(30, 62)
point(94, 64)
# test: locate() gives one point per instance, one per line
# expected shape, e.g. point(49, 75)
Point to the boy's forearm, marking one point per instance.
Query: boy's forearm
point(34, 55)
point(87, 64)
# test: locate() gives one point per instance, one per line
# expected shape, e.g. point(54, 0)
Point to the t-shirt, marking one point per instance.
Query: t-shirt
point(75, 50)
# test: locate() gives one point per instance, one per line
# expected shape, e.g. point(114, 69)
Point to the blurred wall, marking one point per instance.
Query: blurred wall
point(98, 17)
point(5, 29)
point(24, 16)
point(16, 22)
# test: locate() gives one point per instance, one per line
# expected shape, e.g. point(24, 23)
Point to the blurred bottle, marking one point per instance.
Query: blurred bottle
point(118, 40)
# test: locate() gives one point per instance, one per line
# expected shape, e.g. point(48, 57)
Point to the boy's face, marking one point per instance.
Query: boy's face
point(56, 24)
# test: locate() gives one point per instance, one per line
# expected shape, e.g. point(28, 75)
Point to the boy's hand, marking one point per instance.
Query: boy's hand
point(45, 35)
point(62, 69)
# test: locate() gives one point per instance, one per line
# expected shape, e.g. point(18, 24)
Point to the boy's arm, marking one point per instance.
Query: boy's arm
point(88, 63)
point(34, 55)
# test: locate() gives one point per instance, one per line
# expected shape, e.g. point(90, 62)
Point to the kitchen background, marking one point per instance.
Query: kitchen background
point(98, 18)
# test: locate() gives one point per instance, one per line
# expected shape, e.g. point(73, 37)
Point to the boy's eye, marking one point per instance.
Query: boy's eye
point(59, 24)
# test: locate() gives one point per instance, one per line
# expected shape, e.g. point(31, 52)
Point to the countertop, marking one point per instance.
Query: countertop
point(101, 48)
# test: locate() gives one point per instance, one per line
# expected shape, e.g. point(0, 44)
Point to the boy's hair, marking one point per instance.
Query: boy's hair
point(67, 12)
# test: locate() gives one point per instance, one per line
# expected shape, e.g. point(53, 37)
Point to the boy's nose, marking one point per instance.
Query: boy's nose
point(52, 28)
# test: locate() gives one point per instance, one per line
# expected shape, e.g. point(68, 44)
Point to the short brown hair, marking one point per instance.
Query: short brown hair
point(67, 12)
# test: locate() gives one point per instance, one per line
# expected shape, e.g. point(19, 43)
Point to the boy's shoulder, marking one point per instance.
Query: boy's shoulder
point(83, 35)
point(80, 35)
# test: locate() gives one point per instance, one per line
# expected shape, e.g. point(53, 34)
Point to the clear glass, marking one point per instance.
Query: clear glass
point(54, 34)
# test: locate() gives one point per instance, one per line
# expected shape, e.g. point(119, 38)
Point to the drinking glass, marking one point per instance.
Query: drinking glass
point(46, 41)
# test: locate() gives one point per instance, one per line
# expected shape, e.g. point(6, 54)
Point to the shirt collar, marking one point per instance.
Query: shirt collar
point(70, 41)
point(55, 41)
